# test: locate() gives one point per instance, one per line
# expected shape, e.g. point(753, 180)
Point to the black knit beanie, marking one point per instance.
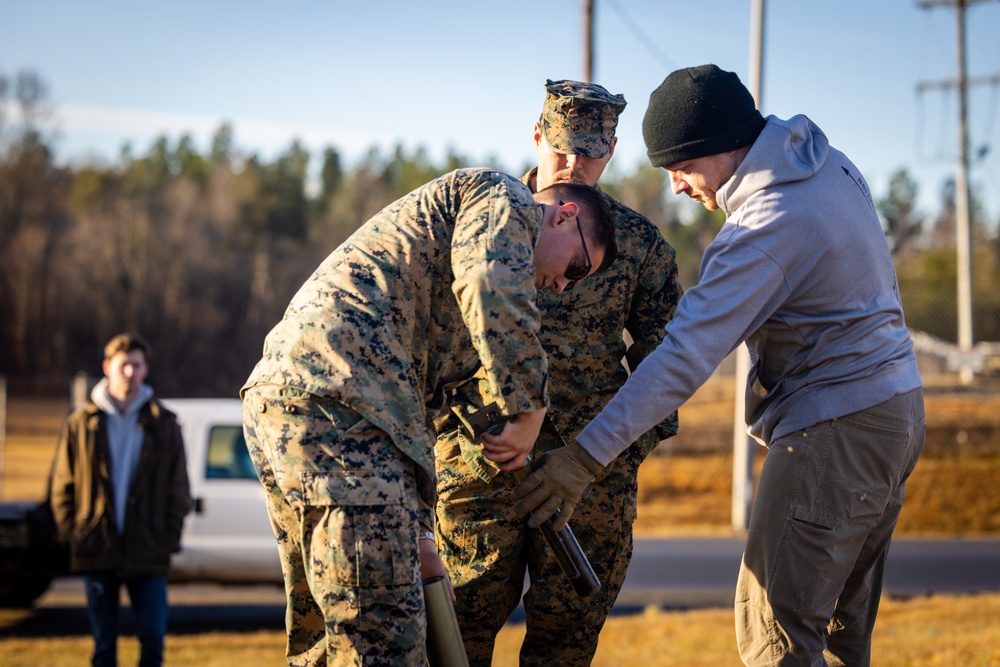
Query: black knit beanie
point(696, 112)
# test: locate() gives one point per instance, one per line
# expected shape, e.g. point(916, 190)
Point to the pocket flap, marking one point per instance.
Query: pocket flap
point(351, 487)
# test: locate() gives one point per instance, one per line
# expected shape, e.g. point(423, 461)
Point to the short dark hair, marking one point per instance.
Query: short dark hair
point(595, 214)
point(126, 342)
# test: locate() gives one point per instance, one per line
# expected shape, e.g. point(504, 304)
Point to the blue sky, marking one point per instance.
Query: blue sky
point(469, 75)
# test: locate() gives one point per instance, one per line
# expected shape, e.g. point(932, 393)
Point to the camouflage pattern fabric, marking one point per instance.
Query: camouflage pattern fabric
point(487, 550)
point(342, 500)
point(484, 545)
point(436, 285)
point(580, 117)
point(433, 284)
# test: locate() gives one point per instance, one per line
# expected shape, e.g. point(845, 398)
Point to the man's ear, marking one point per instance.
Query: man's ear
point(537, 135)
point(567, 212)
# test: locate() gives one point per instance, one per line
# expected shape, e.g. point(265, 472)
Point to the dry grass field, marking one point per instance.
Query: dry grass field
point(684, 489)
point(940, 631)
point(685, 486)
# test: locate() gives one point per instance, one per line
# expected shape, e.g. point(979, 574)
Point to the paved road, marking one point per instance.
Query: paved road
point(674, 573)
point(684, 573)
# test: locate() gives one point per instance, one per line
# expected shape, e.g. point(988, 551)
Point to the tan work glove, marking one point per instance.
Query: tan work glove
point(557, 483)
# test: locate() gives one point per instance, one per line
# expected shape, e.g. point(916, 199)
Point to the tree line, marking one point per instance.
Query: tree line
point(200, 252)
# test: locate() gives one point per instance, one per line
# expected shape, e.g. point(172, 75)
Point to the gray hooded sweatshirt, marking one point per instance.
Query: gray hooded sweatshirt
point(125, 438)
point(802, 272)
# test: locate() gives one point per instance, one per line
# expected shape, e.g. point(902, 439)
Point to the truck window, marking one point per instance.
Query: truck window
point(228, 457)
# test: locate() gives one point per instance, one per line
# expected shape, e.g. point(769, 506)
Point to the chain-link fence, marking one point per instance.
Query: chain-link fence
point(962, 417)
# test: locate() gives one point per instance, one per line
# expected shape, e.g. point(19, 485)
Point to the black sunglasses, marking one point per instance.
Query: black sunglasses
point(575, 273)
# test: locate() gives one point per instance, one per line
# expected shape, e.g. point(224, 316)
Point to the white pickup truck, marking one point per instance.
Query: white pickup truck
point(226, 539)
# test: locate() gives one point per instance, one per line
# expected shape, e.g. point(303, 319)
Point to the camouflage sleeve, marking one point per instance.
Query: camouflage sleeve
point(654, 302)
point(653, 305)
point(494, 284)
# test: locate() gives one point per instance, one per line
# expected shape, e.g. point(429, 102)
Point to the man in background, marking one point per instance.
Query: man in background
point(119, 495)
point(485, 546)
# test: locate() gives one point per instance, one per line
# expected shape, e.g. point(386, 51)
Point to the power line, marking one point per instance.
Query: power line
point(963, 222)
point(990, 122)
point(641, 36)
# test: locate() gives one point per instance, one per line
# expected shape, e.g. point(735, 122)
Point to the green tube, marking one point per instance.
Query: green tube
point(444, 639)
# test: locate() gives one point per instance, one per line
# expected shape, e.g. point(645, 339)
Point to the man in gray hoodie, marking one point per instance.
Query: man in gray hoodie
point(119, 495)
point(802, 273)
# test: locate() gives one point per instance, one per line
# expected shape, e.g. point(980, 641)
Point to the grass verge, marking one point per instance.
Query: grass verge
point(939, 631)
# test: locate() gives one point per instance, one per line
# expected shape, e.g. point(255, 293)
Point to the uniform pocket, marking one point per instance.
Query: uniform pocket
point(358, 528)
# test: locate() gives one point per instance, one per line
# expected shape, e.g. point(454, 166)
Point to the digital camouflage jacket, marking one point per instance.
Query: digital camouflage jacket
point(435, 283)
point(582, 331)
point(582, 327)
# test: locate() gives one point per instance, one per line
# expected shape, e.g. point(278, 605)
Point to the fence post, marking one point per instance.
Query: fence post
point(78, 393)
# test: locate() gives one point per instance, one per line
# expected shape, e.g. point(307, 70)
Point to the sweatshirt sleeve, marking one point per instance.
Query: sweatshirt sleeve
point(741, 287)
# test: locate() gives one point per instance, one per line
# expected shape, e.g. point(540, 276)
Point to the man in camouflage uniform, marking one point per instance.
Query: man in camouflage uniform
point(484, 545)
point(336, 413)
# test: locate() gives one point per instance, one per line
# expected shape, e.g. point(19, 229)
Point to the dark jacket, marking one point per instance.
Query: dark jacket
point(83, 503)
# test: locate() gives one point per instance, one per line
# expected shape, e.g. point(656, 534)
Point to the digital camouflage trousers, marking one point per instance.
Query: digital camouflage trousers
point(342, 501)
point(488, 549)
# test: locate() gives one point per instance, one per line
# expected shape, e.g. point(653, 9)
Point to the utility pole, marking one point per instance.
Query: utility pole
point(743, 444)
point(963, 224)
point(588, 40)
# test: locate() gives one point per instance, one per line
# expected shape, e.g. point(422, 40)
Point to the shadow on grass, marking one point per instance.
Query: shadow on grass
point(184, 620)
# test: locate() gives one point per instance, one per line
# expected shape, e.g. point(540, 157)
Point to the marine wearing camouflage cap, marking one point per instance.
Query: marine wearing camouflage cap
point(580, 118)
point(488, 550)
